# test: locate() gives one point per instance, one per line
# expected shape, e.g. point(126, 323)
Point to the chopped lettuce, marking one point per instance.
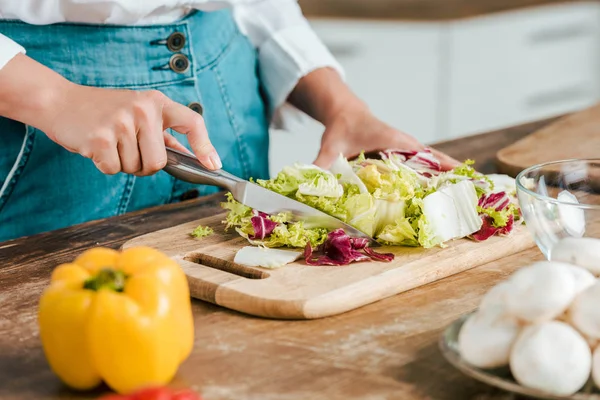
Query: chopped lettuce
point(284, 234)
point(202, 231)
point(401, 199)
point(500, 218)
point(400, 232)
point(451, 212)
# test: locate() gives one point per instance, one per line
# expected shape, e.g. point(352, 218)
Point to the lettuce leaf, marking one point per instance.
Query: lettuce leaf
point(401, 233)
point(388, 185)
point(202, 231)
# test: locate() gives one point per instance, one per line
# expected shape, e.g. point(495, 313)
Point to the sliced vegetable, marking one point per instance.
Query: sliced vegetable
point(340, 249)
point(498, 214)
point(401, 199)
point(451, 212)
point(262, 225)
point(342, 168)
point(253, 256)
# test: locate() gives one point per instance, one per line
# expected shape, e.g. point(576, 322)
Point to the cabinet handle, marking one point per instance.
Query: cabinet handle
point(565, 32)
point(343, 49)
point(558, 96)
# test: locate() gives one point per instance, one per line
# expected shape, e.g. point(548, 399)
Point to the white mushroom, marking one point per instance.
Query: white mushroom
point(596, 366)
point(584, 252)
point(486, 338)
point(551, 357)
point(583, 278)
point(584, 313)
point(541, 291)
point(496, 296)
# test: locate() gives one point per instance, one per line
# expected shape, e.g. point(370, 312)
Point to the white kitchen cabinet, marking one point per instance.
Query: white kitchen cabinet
point(519, 66)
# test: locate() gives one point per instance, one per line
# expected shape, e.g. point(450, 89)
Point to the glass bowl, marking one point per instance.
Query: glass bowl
point(560, 199)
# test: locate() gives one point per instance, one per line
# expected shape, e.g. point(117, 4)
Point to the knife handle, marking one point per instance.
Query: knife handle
point(187, 168)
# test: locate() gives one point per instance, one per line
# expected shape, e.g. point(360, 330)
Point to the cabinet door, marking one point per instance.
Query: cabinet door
point(520, 66)
point(393, 66)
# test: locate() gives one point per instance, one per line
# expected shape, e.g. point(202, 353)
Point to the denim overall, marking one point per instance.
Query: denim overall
point(201, 61)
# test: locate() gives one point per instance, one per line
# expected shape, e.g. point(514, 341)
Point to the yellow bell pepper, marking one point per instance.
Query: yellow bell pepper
point(120, 317)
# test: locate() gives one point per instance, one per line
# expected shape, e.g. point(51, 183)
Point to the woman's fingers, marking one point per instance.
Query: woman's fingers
point(129, 154)
point(152, 147)
point(173, 143)
point(186, 121)
point(107, 160)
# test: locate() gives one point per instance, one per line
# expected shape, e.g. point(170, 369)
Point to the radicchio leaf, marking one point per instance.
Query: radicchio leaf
point(262, 225)
point(488, 229)
point(359, 243)
point(422, 162)
point(379, 256)
point(425, 163)
point(498, 201)
point(341, 249)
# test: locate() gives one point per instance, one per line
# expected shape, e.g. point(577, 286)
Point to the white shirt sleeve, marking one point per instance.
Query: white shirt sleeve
point(8, 49)
point(288, 48)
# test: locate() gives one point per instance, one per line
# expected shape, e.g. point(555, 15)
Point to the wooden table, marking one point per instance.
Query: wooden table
point(387, 350)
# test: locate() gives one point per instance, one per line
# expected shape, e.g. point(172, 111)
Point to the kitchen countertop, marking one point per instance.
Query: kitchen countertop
point(417, 10)
point(386, 350)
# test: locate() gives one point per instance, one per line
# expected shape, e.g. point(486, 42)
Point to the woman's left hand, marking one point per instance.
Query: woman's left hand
point(350, 127)
point(356, 129)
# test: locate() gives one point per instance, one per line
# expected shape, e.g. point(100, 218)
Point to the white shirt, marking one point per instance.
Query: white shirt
point(288, 49)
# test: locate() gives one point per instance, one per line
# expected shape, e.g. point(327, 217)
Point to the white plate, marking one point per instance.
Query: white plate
point(499, 377)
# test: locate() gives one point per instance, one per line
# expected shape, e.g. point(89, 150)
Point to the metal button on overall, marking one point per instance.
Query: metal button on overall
point(197, 107)
point(176, 41)
point(179, 63)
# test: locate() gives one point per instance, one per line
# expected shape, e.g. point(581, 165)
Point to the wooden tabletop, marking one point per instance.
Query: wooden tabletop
point(416, 10)
point(387, 350)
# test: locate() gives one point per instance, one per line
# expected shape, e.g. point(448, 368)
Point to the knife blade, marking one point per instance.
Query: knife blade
point(187, 168)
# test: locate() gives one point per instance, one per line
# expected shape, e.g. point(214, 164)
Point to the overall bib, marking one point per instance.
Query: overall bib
point(201, 61)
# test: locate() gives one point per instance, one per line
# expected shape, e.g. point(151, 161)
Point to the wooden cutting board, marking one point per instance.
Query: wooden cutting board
point(300, 291)
point(574, 136)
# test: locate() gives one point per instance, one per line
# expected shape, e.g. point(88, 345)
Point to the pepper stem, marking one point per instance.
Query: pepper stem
point(106, 278)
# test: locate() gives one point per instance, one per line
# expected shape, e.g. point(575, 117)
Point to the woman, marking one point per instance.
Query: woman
point(115, 81)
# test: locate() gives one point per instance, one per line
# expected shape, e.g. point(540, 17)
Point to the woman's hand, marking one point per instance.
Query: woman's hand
point(350, 127)
point(356, 129)
point(124, 130)
point(120, 130)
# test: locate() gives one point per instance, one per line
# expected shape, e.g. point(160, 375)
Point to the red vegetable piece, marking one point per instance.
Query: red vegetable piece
point(487, 230)
point(425, 163)
point(379, 256)
point(359, 243)
point(341, 249)
point(499, 201)
point(262, 226)
point(186, 395)
point(152, 393)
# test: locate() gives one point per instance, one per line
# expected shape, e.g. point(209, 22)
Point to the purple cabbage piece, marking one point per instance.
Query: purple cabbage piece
point(341, 249)
point(262, 226)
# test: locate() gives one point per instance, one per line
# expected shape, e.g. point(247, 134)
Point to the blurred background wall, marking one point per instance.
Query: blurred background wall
point(441, 69)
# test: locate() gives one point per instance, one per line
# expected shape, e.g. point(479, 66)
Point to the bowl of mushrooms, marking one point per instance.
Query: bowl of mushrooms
point(536, 333)
point(560, 202)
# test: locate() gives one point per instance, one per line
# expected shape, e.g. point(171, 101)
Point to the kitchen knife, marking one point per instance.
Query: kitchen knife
point(187, 168)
